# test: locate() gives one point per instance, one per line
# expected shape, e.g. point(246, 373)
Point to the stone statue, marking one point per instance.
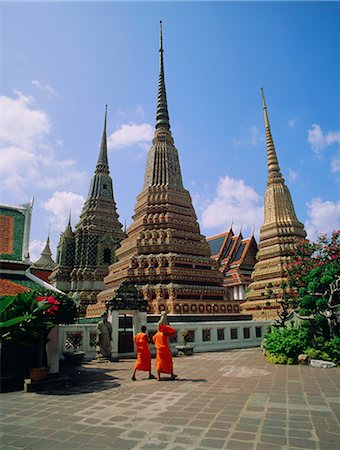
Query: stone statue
point(104, 338)
point(163, 319)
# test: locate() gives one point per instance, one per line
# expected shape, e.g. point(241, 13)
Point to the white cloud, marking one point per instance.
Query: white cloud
point(26, 153)
point(22, 125)
point(292, 122)
point(36, 247)
point(60, 205)
point(130, 134)
point(44, 88)
point(292, 175)
point(323, 217)
point(335, 165)
point(251, 137)
point(319, 141)
point(234, 202)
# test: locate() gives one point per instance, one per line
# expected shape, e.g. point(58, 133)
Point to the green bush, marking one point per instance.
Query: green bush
point(288, 343)
point(279, 359)
point(325, 350)
point(284, 345)
point(28, 314)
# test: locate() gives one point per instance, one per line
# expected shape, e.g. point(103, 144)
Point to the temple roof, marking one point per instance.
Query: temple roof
point(45, 261)
point(231, 252)
point(13, 282)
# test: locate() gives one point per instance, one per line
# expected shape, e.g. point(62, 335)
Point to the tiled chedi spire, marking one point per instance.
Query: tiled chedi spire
point(165, 254)
point(85, 254)
point(278, 235)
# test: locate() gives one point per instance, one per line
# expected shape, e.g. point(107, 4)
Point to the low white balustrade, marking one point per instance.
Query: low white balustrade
point(203, 336)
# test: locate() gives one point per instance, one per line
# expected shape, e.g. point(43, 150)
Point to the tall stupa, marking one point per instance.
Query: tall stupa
point(84, 255)
point(165, 254)
point(278, 237)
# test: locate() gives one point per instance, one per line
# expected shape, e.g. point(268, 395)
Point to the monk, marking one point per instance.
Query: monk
point(163, 354)
point(143, 354)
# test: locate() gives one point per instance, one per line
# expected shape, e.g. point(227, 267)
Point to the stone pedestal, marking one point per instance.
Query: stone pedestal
point(52, 350)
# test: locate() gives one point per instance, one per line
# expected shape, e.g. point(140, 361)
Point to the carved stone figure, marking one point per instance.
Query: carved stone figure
point(104, 338)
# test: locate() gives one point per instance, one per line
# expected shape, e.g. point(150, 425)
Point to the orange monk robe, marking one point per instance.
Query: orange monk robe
point(143, 352)
point(163, 353)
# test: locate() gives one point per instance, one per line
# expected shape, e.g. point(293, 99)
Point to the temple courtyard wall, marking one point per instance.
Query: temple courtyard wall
point(207, 336)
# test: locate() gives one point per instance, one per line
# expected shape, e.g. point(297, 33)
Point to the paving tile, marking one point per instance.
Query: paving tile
point(221, 425)
point(270, 439)
point(212, 443)
point(124, 444)
point(239, 445)
point(302, 443)
point(23, 442)
point(300, 425)
point(328, 446)
point(300, 433)
point(263, 446)
point(274, 431)
point(291, 406)
point(149, 446)
point(242, 436)
point(246, 428)
point(223, 434)
point(44, 444)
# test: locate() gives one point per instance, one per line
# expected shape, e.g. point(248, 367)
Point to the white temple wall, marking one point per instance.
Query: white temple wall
point(208, 336)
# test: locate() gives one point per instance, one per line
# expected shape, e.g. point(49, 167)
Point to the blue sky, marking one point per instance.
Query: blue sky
point(62, 62)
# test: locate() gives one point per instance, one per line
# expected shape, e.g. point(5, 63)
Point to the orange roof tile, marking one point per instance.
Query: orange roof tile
point(9, 288)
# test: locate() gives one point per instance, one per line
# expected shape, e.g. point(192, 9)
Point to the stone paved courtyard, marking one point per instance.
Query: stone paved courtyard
point(227, 400)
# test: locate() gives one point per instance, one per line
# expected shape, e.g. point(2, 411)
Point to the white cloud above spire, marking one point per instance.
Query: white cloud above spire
point(130, 134)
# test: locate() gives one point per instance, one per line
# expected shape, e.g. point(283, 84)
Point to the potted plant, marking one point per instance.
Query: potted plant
point(185, 350)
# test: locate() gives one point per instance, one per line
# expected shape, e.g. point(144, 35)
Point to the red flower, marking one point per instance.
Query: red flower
point(54, 304)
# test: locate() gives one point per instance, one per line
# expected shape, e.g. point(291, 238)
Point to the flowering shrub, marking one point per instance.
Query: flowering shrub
point(28, 313)
point(314, 284)
point(26, 320)
point(52, 303)
point(312, 290)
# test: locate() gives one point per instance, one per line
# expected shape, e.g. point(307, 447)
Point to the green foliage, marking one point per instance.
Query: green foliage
point(287, 343)
point(284, 345)
point(279, 359)
point(325, 350)
point(313, 279)
point(29, 314)
point(67, 309)
point(313, 292)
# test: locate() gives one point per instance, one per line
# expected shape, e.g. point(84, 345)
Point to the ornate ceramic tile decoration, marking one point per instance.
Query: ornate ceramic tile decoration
point(84, 255)
point(278, 236)
point(14, 232)
point(164, 253)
